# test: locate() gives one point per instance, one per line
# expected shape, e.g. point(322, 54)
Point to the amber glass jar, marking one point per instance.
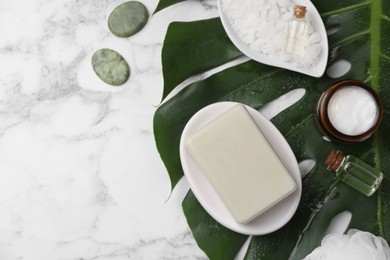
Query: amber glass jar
point(325, 123)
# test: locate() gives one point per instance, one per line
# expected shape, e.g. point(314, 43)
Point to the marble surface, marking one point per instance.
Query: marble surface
point(80, 177)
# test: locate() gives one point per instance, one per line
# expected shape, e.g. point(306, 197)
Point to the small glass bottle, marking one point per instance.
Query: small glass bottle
point(354, 172)
point(296, 32)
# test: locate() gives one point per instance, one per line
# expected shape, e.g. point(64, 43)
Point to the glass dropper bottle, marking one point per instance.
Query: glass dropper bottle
point(354, 172)
point(296, 32)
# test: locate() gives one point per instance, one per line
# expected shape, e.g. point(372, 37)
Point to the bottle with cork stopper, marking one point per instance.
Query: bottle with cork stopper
point(354, 172)
point(296, 32)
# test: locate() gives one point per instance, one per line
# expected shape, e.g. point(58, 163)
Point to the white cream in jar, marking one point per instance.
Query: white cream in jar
point(352, 110)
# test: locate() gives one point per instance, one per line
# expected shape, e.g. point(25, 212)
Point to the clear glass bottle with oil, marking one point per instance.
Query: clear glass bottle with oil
point(354, 172)
point(296, 32)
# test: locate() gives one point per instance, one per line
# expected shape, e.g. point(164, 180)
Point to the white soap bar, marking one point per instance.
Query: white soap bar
point(240, 163)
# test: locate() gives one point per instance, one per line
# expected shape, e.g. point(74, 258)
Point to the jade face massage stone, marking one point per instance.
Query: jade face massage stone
point(110, 67)
point(240, 163)
point(128, 18)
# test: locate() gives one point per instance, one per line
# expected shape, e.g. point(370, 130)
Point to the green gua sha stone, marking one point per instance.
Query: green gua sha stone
point(110, 67)
point(128, 19)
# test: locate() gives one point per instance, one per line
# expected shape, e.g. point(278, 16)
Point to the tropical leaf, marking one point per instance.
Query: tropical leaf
point(361, 35)
point(188, 40)
point(165, 3)
point(218, 241)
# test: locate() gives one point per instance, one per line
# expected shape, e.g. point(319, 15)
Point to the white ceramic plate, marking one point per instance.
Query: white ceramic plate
point(316, 71)
point(272, 219)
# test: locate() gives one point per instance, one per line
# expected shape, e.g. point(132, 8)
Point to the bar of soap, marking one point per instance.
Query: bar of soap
point(240, 164)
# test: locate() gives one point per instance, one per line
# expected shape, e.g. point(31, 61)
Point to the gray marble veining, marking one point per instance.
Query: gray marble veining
point(76, 180)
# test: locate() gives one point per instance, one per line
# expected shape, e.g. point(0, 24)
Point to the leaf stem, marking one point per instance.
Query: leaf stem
point(380, 213)
point(375, 34)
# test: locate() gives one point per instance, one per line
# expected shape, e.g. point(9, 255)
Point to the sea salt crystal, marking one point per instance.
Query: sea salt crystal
point(262, 25)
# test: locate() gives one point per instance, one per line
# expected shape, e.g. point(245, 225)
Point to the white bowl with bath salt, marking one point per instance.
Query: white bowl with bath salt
point(349, 111)
point(240, 168)
point(267, 30)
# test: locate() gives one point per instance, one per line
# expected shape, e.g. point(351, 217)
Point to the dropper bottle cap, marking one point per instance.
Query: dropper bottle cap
point(335, 160)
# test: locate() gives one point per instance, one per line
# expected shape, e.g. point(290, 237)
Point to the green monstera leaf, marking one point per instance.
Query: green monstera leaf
point(165, 3)
point(360, 35)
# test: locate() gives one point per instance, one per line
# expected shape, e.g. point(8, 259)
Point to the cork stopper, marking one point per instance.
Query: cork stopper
point(299, 11)
point(334, 160)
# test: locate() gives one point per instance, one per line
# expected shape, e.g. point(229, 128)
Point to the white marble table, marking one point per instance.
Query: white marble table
point(80, 177)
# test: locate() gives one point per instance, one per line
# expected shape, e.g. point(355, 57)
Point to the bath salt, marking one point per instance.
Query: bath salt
point(262, 25)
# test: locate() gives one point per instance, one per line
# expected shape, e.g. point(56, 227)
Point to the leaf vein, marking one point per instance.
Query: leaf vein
point(385, 56)
point(345, 9)
point(298, 125)
point(248, 84)
point(351, 38)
